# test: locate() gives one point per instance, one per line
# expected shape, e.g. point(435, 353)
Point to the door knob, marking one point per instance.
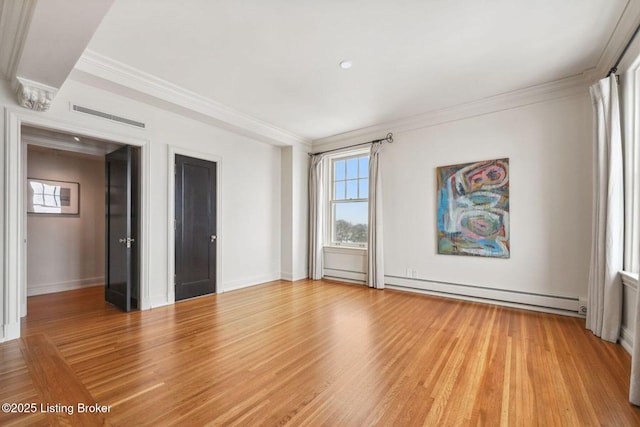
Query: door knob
point(213, 237)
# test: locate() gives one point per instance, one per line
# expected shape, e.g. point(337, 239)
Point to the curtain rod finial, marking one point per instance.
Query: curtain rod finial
point(389, 138)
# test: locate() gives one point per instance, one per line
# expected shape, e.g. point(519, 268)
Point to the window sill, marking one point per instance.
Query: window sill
point(345, 250)
point(629, 280)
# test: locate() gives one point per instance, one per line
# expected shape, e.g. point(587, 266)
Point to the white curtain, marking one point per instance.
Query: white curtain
point(316, 216)
point(604, 308)
point(375, 269)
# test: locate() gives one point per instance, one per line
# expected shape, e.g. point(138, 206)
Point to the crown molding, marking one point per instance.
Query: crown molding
point(15, 18)
point(193, 104)
point(627, 24)
point(570, 86)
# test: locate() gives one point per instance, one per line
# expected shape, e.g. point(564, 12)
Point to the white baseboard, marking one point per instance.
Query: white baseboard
point(49, 288)
point(626, 339)
point(530, 301)
point(344, 275)
point(158, 301)
point(10, 331)
point(291, 277)
point(247, 282)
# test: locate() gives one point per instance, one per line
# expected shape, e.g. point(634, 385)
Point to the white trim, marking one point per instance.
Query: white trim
point(290, 277)
point(15, 20)
point(626, 339)
point(346, 250)
point(131, 78)
point(629, 280)
point(250, 281)
point(630, 116)
point(171, 236)
point(48, 288)
point(10, 332)
point(563, 88)
point(530, 301)
point(158, 301)
point(621, 35)
point(344, 275)
point(15, 212)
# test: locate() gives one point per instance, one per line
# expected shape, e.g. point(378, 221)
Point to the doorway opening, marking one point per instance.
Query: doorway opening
point(71, 219)
point(15, 218)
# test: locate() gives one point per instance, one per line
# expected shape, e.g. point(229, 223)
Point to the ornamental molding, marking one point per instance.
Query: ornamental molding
point(35, 96)
point(191, 104)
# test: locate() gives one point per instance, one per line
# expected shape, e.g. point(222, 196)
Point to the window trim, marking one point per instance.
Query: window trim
point(330, 202)
point(630, 113)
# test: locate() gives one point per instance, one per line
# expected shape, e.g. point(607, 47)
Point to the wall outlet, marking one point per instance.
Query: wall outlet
point(409, 271)
point(582, 306)
point(413, 274)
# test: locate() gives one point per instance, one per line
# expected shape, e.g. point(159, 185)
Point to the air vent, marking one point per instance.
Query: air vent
point(108, 116)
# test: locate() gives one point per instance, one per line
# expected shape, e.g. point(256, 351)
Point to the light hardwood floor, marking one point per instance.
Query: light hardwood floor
point(311, 353)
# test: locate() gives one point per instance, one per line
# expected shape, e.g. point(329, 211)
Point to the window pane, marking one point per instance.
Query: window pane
point(339, 190)
point(339, 169)
point(364, 189)
point(352, 189)
point(364, 167)
point(351, 222)
point(352, 168)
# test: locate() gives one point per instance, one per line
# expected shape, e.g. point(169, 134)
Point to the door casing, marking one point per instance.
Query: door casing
point(13, 252)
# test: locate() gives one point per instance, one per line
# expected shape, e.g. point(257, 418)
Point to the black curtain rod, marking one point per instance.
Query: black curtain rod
point(388, 138)
point(624, 51)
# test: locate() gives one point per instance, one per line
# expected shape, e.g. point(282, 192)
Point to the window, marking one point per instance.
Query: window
point(349, 200)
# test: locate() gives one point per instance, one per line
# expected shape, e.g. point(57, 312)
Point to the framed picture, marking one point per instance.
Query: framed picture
point(49, 197)
point(473, 209)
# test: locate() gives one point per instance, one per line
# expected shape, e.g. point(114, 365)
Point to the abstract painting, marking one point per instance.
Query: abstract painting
point(473, 209)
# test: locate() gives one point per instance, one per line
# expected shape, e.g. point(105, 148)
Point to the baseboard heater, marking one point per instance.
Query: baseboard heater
point(344, 275)
point(517, 299)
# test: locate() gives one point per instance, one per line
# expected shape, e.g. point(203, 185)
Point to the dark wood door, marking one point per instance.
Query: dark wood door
point(121, 278)
point(195, 217)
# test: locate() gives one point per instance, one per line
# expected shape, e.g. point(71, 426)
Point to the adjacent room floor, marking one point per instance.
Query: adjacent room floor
point(309, 353)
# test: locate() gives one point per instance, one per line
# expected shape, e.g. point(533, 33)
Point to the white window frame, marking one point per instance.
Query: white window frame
point(330, 211)
point(630, 100)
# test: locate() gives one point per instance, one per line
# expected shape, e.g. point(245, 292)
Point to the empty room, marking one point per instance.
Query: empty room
point(339, 213)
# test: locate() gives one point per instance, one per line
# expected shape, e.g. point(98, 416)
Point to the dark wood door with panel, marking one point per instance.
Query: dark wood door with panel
point(121, 221)
point(195, 227)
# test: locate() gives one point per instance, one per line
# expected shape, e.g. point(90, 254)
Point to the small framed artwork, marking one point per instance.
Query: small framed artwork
point(45, 196)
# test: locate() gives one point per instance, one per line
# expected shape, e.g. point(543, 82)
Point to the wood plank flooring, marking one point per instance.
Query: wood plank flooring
point(311, 353)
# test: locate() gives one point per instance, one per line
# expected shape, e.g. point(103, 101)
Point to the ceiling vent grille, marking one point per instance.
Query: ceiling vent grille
point(108, 116)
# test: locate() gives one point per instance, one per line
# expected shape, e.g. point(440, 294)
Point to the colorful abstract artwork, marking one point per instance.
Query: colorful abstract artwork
point(473, 209)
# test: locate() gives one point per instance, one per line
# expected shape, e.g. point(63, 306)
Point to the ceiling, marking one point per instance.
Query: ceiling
point(47, 139)
point(277, 60)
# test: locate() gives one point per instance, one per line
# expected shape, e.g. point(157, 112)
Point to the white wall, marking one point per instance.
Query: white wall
point(249, 184)
point(550, 149)
point(66, 252)
point(295, 171)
